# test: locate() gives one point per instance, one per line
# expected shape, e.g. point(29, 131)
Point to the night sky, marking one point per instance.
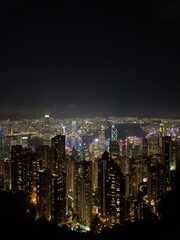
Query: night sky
point(90, 58)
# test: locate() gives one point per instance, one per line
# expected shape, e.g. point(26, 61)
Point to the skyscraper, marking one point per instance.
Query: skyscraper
point(101, 140)
point(16, 168)
point(58, 151)
point(58, 181)
point(44, 193)
point(167, 156)
point(58, 198)
point(84, 192)
point(113, 133)
point(45, 153)
point(111, 190)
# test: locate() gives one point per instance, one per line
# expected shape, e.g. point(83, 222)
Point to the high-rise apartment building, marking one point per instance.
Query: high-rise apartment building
point(111, 190)
point(17, 168)
point(156, 183)
point(83, 192)
point(167, 156)
point(45, 154)
point(58, 198)
point(44, 193)
point(58, 154)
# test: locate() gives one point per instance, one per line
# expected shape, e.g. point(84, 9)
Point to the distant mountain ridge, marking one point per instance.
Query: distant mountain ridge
point(17, 116)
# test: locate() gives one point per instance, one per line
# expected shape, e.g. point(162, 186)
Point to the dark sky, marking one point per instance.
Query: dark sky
point(90, 58)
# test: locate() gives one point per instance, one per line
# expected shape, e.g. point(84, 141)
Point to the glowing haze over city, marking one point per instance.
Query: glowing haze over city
point(87, 59)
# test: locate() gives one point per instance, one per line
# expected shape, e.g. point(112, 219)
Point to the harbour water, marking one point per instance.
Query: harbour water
point(126, 130)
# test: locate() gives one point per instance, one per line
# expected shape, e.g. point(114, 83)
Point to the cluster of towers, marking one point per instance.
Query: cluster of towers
point(115, 184)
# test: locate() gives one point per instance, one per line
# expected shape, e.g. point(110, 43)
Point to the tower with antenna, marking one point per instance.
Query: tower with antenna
point(113, 133)
point(114, 145)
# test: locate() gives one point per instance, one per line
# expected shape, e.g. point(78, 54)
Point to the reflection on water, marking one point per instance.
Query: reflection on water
point(126, 130)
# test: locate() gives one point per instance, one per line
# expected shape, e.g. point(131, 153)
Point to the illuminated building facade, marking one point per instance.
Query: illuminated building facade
point(111, 190)
point(45, 154)
point(58, 198)
point(44, 193)
point(24, 166)
point(84, 192)
point(71, 180)
point(114, 149)
point(17, 168)
point(58, 151)
point(154, 145)
point(156, 184)
point(113, 133)
point(101, 137)
point(167, 156)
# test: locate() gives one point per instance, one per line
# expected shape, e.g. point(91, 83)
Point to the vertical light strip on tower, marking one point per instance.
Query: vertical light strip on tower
point(113, 133)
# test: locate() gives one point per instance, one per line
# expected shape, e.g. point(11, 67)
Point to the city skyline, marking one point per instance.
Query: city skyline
point(75, 174)
point(85, 59)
